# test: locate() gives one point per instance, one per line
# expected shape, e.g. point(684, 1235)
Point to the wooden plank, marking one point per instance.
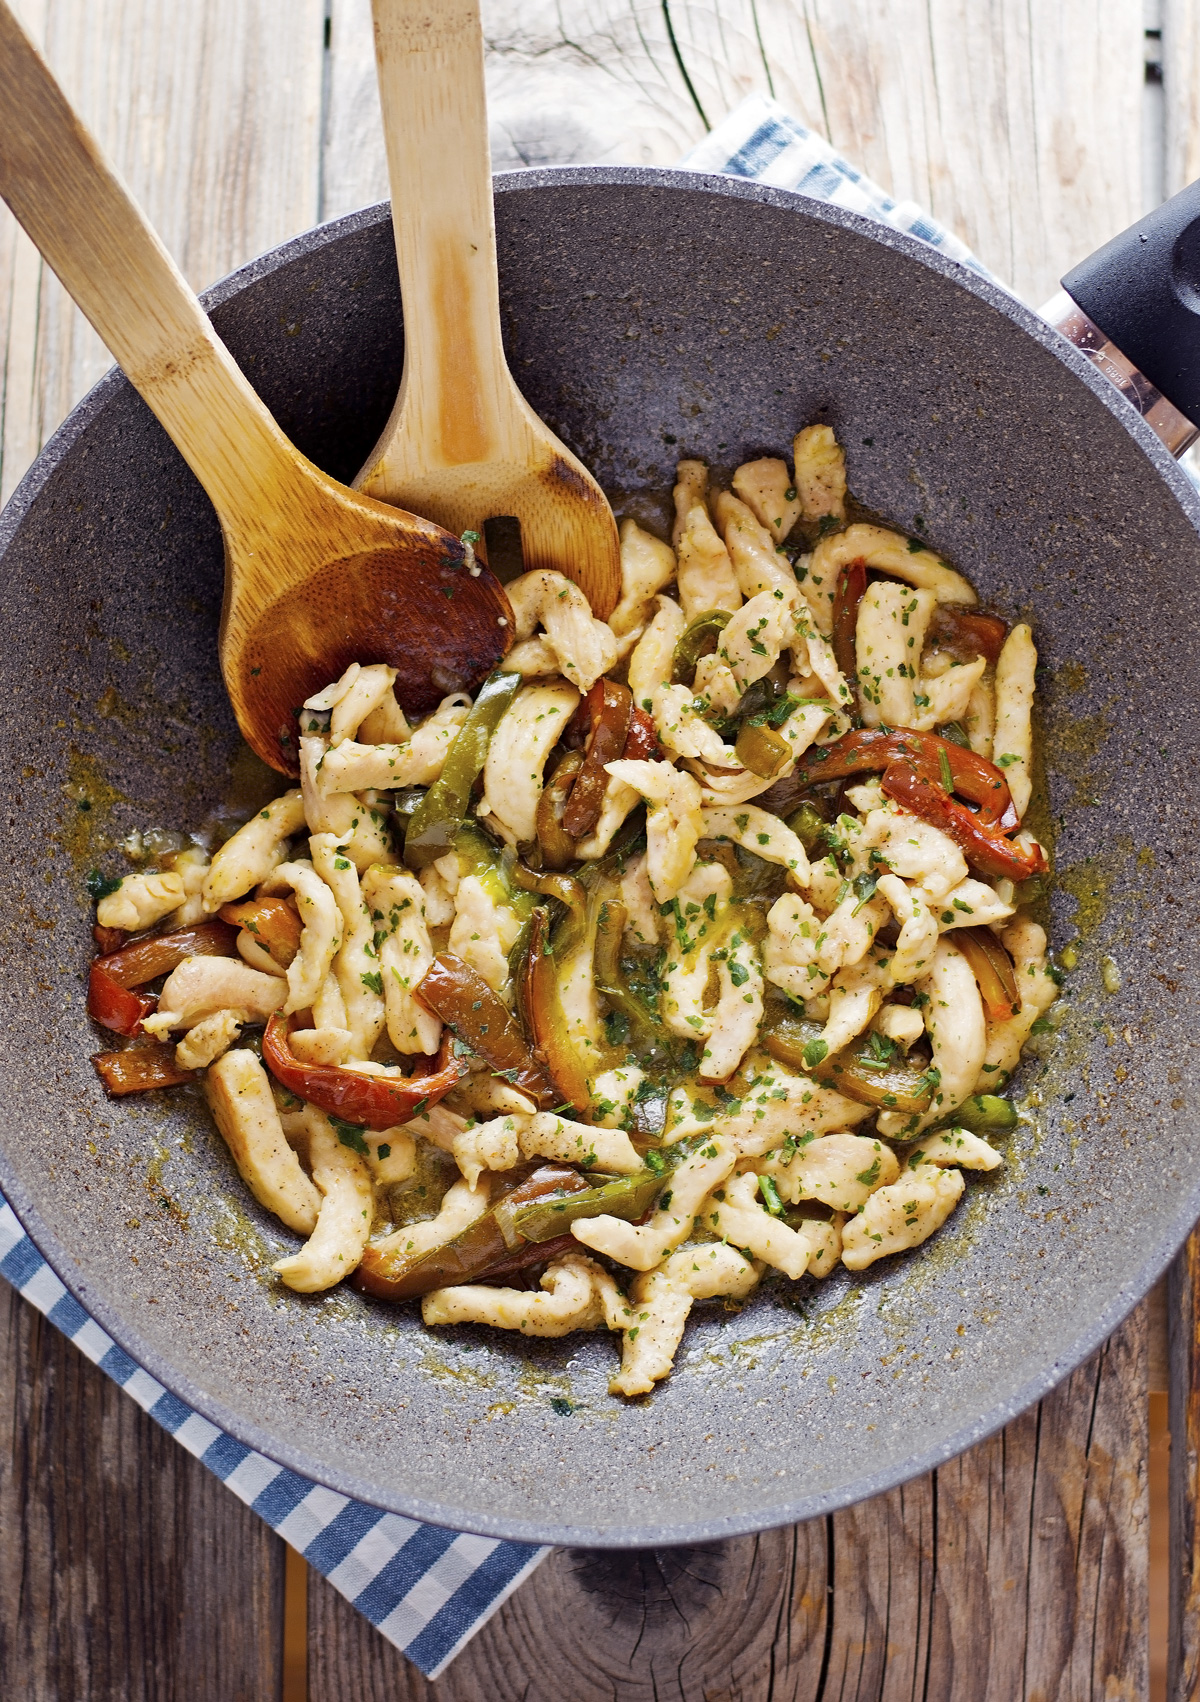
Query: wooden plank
point(213, 121)
point(1089, 1505)
point(1018, 1571)
point(1022, 131)
point(354, 166)
point(729, 1619)
point(1183, 1323)
point(126, 1569)
point(1181, 91)
point(883, 1593)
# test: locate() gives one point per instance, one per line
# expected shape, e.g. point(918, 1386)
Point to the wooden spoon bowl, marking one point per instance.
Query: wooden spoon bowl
point(316, 575)
point(391, 604)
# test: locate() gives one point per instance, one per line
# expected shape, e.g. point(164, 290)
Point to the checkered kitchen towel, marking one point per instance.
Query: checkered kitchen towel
point(426, 1589)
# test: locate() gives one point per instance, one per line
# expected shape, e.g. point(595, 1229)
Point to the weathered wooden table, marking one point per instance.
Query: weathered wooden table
point(1020, 1570)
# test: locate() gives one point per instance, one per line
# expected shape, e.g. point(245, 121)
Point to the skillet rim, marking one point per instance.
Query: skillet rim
point(276, 1447)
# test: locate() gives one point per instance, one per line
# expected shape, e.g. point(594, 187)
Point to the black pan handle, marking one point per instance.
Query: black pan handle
point(1141, 291)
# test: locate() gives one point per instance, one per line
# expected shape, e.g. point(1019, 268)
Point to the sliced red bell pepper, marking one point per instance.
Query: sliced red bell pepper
point(273, 922)
point(114, 1006)
point(851, 588)
point(609, 707)
point(373, 1102)
point(642, 744)
point(966, 634)
point(873, 748)
point(479, 1017)
point(137, 1069)
point(984, 847)
point(134, 965)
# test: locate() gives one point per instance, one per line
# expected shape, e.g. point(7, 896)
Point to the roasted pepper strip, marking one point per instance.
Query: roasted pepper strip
point(541, 1004)
point(441, 812)
point(983, 1114)
point(627, 1197)
point(479, 1018)
point(134, 965)
point(109, 940)
point(985, 849)
point(855, 1071)
point(558, 848)
point(610, 927)
point(273, 922)
point(115, 1006)
point(642, 743)
point(480, 1253)
point(700, 639)
point(873, 748)
point(608, 706)
point(762, 750)
point(851, 588)
point(373, 1102)
point(139, 1068)
point(993, 970)
point(967, 635)
point(566, 888)
point(808, 824)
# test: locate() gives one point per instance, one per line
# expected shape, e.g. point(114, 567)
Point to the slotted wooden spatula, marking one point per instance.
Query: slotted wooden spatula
point(463, 446)
point(316, 575)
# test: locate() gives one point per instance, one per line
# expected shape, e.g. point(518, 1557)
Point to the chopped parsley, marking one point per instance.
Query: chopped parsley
point(100, 886)
point(351, 1135)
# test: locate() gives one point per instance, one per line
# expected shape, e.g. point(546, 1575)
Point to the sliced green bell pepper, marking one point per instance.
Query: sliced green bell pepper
point(700, 639)
point(437, 818)
point(627, 1197)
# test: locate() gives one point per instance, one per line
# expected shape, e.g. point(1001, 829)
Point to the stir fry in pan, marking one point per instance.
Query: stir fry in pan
point(693, 951)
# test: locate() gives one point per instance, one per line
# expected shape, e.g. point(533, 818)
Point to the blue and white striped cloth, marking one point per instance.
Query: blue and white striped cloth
point(426, 1589)
point(760, 139)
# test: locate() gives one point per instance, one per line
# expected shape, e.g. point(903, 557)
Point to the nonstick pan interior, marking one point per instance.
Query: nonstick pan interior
point(648, 315)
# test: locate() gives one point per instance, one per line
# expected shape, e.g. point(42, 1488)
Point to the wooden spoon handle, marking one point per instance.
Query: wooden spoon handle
point(90, 231)
point(456, 383)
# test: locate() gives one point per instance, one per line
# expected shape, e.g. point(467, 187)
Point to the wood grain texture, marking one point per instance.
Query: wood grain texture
point(1181, 91)
point(1017, 1573)
point(1183, 1324)
point(1018, 126)
point(126, 1569)
point(212, 115)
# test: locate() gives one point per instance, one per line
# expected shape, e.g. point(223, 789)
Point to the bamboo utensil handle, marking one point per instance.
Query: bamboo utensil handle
point(87, 226)
point(463, 445)
point(457, 389)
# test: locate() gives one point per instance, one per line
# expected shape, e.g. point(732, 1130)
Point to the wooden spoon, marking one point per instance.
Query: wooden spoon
point(463, 445)
point(316, 575)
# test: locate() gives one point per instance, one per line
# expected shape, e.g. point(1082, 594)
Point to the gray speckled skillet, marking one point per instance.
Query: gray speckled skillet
point(648, 315)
